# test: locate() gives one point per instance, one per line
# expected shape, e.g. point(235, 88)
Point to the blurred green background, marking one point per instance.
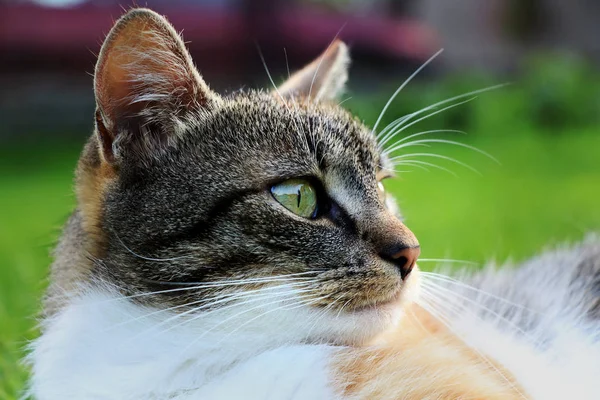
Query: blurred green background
point(543, 128)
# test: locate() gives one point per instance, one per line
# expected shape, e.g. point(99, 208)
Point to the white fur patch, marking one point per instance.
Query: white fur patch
point(101, 347)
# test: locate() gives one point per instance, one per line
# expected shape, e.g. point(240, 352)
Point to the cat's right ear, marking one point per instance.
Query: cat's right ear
point(146, 87)
point(322, 79)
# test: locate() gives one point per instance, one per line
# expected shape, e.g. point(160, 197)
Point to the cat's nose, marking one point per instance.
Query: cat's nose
point(403, 256)
point(393, 241)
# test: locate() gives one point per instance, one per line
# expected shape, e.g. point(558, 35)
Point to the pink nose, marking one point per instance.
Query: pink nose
point(404, 257)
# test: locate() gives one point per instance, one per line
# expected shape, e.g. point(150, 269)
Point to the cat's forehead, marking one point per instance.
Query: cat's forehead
point(258, 128)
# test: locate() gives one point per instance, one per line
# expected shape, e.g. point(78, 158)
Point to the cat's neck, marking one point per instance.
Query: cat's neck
point(71, 267)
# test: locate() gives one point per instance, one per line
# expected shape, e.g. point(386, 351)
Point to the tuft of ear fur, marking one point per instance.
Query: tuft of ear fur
point(322, 79)
point(145, 85)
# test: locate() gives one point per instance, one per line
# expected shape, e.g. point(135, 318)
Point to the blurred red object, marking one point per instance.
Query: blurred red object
point(64, 38)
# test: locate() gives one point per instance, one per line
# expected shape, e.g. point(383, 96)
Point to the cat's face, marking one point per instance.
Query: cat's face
point(261, 203)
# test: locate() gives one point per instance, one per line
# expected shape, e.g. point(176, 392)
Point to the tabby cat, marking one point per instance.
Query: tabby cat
point(244, 247)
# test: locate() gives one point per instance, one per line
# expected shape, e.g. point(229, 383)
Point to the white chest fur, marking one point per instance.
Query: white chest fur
point(102, 348)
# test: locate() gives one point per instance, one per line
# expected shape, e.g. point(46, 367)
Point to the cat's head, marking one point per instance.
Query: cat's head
point(253, 204)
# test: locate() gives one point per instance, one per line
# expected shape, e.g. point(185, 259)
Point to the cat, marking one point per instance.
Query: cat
point(244, 247)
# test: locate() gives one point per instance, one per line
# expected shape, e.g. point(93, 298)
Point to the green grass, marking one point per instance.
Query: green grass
point(35, 185)
point(546, 191)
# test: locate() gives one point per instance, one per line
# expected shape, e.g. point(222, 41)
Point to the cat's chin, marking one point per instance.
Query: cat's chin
point(362, 325)
point(396, 301)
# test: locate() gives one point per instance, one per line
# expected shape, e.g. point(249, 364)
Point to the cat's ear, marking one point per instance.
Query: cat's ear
point(145, 85)
point(322, 79)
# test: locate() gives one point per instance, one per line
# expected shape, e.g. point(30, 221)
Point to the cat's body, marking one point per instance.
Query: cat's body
point(186, 272)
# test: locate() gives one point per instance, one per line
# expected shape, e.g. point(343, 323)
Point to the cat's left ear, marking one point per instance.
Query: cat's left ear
point(322, 79)
point(146, 87)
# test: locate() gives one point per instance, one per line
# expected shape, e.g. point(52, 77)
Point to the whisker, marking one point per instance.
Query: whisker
point(322, 314)
point(143, 257)
point(404, 139)
point(452, 142)
point(416, 164)
point(461, 96)
point(446, 307)
point(435, 155)
point(448, 260)
point(321, 61)
point(214, 284)
point(449, 280)
point(301, 303)
point(252, 299)
point(413, 162)
point(388, 130)
point(345, 100)
point(342, 308)
point(228, 282)
point(406, 82)
point(262, 58)
point(233, 317)
point(447, 299)
point(212, 301)
point(417, 320)
point(287, 64)
point(402, 128)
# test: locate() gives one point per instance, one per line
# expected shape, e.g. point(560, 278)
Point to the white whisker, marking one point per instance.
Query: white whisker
point(345, 100)
point(452, 142)
point(406, 82)
point(262, 58)
point(212, 284)
point(439, 103)
point(404, 127)
point(147, 258)
point(389, 130)
point(449, 280)
point(404, 139)
point(233, 317)
point(312, 82)
point(445, 294)
point(322, 314)
point(434, 155)
point(252, 299)
point(414, 162)
point(342, 308)
point(448, 260)
point(297, 304)
point(212, 301)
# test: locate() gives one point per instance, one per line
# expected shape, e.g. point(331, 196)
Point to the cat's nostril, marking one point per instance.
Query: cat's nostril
point(402, 263)
point(404, 257)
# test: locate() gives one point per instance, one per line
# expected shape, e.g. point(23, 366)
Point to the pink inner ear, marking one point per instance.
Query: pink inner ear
point(144, 73)
point(140, 62)
point(144, 62)
point(112, 87)
point(323, 78)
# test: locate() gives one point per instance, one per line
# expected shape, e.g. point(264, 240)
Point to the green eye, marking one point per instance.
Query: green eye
point(298, 196)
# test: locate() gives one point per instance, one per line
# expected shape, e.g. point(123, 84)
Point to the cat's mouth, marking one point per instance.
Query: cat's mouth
point(394, 299)
point(392, 302)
